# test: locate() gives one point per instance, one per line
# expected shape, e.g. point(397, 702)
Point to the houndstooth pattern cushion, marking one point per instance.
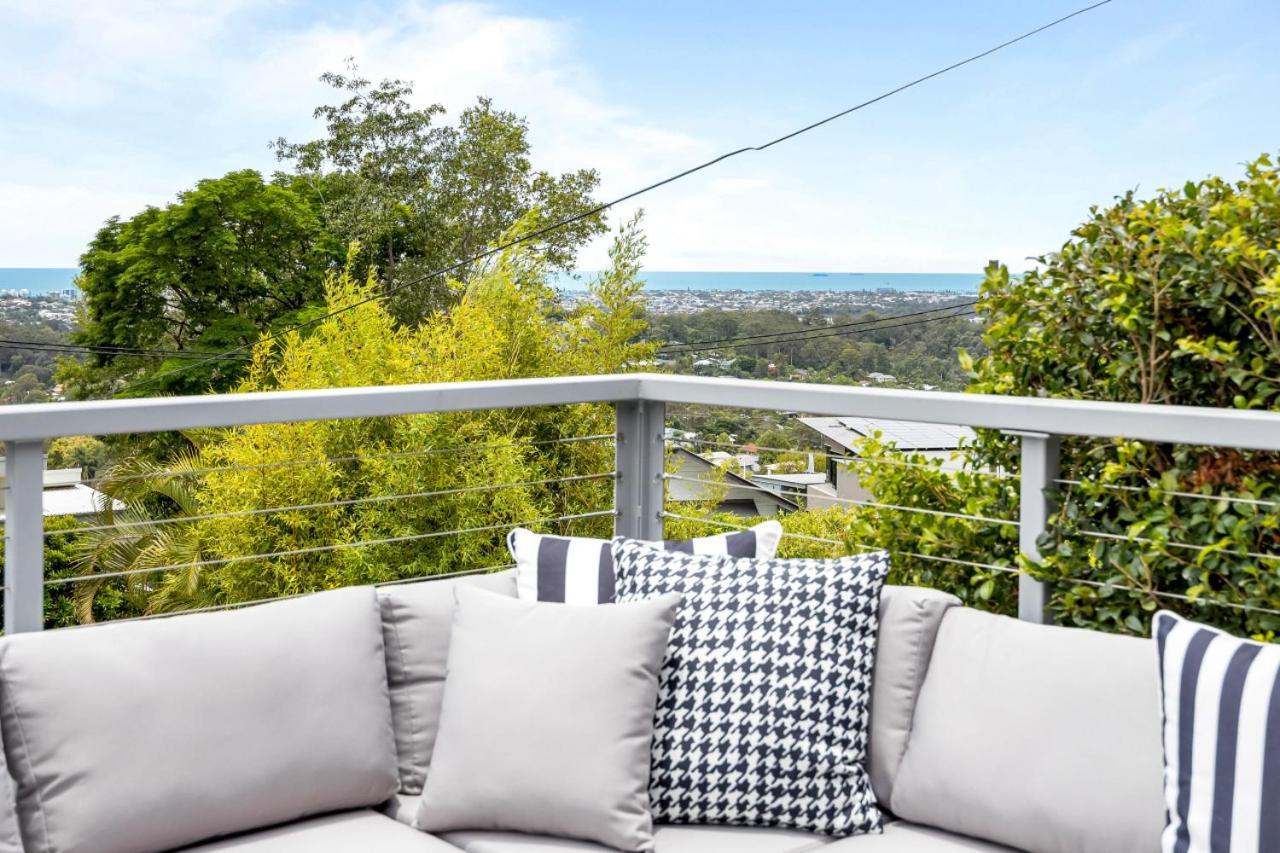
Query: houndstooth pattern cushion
point(762, 715)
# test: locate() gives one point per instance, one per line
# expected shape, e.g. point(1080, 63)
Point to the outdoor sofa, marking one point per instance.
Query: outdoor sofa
point(308, 725)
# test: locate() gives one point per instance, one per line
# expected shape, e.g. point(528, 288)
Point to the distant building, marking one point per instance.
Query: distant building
point(741, 463)
point(65, 494)
point(842, 435)
point(702, 480)
point(794, 487)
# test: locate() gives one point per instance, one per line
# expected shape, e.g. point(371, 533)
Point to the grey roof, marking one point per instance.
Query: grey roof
point(846, 431)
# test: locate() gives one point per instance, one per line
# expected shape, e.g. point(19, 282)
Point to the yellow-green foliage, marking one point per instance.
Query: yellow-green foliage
point(507, 323)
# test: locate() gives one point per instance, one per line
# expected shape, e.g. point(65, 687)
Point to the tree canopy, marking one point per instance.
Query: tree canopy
point(319, 493)
point(239, 256)
point(422, 196)
point(207, 272)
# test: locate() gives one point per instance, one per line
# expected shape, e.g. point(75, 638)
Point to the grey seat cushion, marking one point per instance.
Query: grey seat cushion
point(909, 620)
point(221, 722)
point(416, 621)
point(903, 837)
point(667, 839)
point(1046, 739)
point(346, 832)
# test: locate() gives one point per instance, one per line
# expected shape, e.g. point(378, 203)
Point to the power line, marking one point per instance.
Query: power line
point(844, 333)
point(76, 349)
point(600, 208)
point(855, 324)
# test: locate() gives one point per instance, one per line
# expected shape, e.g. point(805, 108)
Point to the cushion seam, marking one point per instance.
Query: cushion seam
point(413, 718)
point(12, 702)
point(386, 686)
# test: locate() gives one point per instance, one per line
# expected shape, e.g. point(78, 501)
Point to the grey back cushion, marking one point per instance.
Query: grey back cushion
point(416, 621)
point(1042, 738)
point(150, 735)
point(909, 620)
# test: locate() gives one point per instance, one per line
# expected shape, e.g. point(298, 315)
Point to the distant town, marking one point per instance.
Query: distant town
point(57, 310)
point(798, 302)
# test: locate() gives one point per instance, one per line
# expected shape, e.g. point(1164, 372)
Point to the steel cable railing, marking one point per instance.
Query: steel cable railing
point(362, 457)
point(1121, 487)
point(939, 513)
point(806, 538)
point(1172, 596)
point(374, 499)
point(320, 549)
point(861, 460)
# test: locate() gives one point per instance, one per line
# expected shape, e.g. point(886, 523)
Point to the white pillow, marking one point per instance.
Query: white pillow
point(1221, 699)
point(578, 570)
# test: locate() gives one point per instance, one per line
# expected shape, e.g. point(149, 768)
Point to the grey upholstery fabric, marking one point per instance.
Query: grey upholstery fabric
point(10, 839)
point(909, 619)
point(416, 620)
point(347, 832)
point(667, 839)
point(222, 722)
point(903, 837)
point(402, 808)
point(547, 719)
point(1042, 738)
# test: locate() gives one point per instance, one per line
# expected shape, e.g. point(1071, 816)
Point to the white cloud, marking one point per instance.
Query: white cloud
point(115, 104)
point(209, 83)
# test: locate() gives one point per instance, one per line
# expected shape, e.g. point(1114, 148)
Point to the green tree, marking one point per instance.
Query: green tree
point(77, 451)
point(303, 491)
point(1172, 300)
point(1169, 300)
point(420, 195)
point(226, 261)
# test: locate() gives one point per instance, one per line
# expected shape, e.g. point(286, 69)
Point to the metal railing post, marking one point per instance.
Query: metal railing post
point(1040, 452)
point(23, 536)
point(641, 454)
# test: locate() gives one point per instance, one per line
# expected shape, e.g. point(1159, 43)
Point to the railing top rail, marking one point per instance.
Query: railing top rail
point(1252, 429)
point(33, 422)
point(1176, 424)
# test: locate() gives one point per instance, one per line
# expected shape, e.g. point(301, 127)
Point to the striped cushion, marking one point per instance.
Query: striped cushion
point(1221, 739)
point(577, 570)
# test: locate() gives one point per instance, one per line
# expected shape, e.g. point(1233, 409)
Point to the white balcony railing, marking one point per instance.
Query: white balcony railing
point(640, 401)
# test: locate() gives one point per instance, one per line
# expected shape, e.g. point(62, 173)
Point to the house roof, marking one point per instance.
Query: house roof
point(846, 431)
point(800, 479)
point(64, 494)
point(730, 479)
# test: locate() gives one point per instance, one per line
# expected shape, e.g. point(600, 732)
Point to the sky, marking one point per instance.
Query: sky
point(107, 106)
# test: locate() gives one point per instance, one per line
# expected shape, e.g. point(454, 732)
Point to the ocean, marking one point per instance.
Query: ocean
point(840, 281)
point(49, 279)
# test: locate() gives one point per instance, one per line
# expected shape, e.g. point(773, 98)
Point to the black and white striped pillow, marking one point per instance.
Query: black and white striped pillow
point(578, 570)
point(1221, 698)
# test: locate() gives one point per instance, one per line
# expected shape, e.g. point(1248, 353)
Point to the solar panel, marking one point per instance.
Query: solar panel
point(911, 435)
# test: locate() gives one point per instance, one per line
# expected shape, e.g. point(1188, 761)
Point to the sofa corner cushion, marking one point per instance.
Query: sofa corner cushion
point(909, 620)
point(345, 832)
point(416, 621)
point(223, 722)
point(1042, 738)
